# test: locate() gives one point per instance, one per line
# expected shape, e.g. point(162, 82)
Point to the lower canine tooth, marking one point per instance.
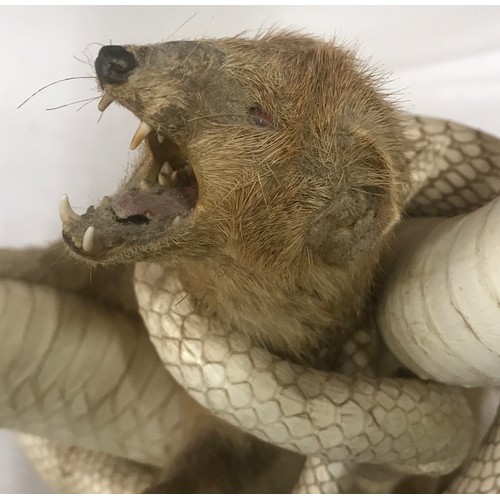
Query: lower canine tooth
point(176, 221)
point(66, 212)
point(142, 131)
point(90, 242)
point(143, 185)
point(105, 101)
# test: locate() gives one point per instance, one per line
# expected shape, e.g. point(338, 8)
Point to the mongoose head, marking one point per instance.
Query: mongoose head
point(279, 156)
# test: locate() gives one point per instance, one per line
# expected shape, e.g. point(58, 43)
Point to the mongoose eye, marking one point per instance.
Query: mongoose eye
point(259, 117)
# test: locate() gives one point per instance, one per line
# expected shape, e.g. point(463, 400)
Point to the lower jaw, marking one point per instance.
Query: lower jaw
point(130, 220)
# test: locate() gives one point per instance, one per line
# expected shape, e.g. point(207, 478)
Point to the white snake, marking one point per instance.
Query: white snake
point(76, 373)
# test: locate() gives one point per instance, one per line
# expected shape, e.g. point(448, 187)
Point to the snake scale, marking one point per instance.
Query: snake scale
point(117, 415)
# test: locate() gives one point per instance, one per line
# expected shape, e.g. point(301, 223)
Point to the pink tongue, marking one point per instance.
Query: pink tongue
point(168, 202)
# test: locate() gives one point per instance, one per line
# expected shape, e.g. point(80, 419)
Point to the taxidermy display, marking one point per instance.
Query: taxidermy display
point(296, 288)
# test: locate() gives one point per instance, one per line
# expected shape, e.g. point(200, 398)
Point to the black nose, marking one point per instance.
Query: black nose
point(114, 64)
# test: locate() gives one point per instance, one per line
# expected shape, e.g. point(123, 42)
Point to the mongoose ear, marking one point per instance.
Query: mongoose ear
point(360, 214)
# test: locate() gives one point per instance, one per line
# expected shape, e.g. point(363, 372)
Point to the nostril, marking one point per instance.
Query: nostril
point(114, 64)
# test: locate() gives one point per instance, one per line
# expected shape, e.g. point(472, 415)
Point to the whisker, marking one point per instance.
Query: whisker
point(183, 24)
point(183, 298)
point(87, 54)
point(63, 259)
point(214, 115)
point(192, 52)
point(80, 60)
point(207, 28)
point(99, 44)
point(260, 29)
point(86, 101)
point(88, 57)
point(50, 85)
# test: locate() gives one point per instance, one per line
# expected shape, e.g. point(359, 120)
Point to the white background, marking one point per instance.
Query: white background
point(444, 61)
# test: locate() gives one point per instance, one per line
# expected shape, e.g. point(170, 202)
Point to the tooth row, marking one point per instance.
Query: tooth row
point(168, 176)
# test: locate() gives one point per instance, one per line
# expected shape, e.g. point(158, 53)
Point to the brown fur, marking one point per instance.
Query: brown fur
point(293, 210)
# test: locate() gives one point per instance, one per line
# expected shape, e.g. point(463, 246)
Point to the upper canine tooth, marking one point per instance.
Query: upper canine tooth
point(105, 101)
point(91, 243)
point(142, 131)
point(160, 138)
point(66, 213)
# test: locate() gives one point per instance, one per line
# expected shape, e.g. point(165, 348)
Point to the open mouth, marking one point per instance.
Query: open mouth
point(153, 204)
